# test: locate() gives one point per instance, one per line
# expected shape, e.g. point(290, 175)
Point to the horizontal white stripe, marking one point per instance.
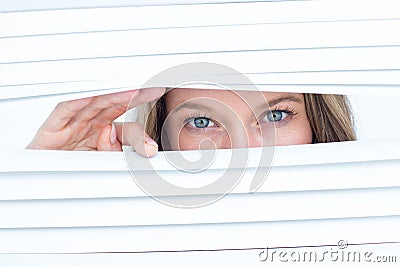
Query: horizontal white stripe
point(32, 174)
point(70, 90)
point(257, 207)
point(104, 184)
point(133, 72)
point(25, 5)
point(103, 19)
point(42, 189)
point(195, 40)
point(341, 152)
point(186, 237)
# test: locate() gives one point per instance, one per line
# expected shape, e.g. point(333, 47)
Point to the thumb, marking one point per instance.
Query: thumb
point(107, 140)
point(134, 135)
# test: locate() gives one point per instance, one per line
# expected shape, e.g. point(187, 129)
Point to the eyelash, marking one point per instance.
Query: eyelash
point(190, 116)
point(286, 109)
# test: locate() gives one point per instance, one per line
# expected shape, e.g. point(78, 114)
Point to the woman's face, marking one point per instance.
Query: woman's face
point(217, 119)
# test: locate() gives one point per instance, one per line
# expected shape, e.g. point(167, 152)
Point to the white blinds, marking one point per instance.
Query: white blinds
point(56, 205)
point(309, 46)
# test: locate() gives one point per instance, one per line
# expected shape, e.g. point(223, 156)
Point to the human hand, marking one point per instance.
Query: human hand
point(87, 124)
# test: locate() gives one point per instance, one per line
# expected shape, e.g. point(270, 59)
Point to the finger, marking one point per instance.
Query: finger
point(142, 96)
point(100, 103)
point(114, 105)
point(146, 95)
point(63, 112)
point(133, 134)
point(107, 140)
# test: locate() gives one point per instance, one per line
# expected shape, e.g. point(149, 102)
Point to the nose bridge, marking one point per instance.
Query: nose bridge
point(242, 126)
point(244, 135)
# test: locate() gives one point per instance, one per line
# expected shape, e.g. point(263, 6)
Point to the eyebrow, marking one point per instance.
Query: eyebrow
point(192, 106)
point(209, 109)
point(278, 100)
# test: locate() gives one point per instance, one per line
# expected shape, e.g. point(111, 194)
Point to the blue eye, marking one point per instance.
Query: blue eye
point(276, 115)
point(201, 122)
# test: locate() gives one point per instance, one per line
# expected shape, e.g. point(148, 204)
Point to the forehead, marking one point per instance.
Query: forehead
point(177, 96)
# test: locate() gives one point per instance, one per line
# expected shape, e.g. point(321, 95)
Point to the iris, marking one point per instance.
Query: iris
point(201, 122)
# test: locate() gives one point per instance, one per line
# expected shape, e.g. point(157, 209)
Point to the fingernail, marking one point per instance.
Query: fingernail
point(113, 134)
point(150, 141)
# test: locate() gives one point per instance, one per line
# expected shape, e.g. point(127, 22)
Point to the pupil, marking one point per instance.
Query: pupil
point(275, 116)
point(201, 122)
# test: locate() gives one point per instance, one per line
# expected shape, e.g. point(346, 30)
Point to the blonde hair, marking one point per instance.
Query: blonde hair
point(330, 118)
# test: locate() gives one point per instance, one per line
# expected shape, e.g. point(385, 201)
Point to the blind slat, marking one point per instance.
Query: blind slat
point(258, 207)
point(206, 236)
point(24, 5)
point(197, 40)
point(84, 202)
point(123, 18)
point(341, 152)
point(104, 70)
point(106, 184)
